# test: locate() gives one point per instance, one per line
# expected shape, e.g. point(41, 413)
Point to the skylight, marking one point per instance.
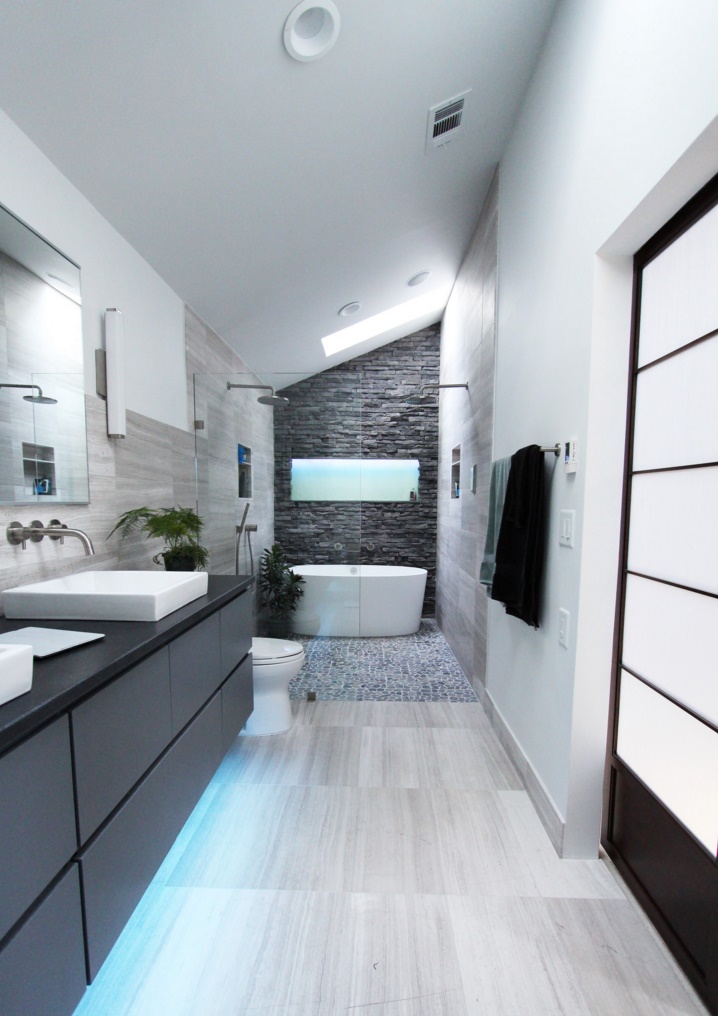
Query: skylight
point(402, 314)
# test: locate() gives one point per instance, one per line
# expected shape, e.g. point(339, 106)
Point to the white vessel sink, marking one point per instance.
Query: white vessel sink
point(106, 595)
point(15, 671)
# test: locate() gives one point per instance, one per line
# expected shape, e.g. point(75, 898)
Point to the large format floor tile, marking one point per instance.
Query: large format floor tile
point(381, 858)
point(215, 953)
point(530, 957)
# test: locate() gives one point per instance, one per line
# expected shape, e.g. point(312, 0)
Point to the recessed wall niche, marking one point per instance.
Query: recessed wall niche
point(244, 471)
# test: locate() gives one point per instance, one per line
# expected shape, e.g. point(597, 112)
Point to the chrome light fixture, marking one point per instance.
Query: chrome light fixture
point(115, 373)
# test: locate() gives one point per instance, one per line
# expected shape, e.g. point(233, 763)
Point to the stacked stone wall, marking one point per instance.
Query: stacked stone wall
point(357, 410)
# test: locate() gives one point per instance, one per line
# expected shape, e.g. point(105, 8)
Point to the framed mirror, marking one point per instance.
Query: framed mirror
point(43, 436)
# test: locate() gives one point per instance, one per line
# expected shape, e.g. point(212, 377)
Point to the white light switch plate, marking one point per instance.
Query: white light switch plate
point(566, 526)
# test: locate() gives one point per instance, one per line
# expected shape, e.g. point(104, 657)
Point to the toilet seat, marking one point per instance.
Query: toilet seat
point(267, 651)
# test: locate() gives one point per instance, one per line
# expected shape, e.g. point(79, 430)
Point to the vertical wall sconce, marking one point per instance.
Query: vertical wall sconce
point(115, 372)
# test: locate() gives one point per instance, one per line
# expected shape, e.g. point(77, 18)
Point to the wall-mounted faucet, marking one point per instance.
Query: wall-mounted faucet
point(56, 530)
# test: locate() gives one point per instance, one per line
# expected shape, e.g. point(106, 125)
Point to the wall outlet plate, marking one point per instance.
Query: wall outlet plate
point(564, 619)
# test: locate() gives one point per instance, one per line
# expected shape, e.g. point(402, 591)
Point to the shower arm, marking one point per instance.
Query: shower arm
point(268, 388)
point(425, 388)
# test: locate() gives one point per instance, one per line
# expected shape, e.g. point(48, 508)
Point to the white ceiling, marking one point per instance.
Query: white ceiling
point(267, 192)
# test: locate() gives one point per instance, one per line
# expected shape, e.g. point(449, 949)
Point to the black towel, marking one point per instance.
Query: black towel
point(519, 551)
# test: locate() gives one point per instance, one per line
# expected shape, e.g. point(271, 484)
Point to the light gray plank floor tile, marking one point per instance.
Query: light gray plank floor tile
point(563, 958)
point(304, 755)
point(434, 757)
point(221, 952)
point(391, 714)
point(555, 876)
point(355, 839)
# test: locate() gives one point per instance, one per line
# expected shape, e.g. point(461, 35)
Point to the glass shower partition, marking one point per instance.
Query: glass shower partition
point(251, 471)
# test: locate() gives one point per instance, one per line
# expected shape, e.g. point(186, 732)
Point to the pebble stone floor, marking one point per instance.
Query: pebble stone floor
point(406, 668)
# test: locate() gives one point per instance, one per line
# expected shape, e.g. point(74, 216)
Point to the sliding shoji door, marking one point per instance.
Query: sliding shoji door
point(661, 823)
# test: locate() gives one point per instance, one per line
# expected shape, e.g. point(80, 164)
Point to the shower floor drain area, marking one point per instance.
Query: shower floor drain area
point(405, 668)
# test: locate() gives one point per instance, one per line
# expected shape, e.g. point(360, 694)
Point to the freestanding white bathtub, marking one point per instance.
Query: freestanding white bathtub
point(359, 599)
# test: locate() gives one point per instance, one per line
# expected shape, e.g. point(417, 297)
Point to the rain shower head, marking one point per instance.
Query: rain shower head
point(265, 400)
point(39, 399)
point(273, 400)
point(422, 399)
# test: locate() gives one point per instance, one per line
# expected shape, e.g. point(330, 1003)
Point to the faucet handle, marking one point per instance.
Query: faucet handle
point(36, 524)
point(16, 535)
point(56, 524)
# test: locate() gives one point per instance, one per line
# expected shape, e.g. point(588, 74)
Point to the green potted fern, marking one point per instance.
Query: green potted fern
point(180, 528)
point(280, 589)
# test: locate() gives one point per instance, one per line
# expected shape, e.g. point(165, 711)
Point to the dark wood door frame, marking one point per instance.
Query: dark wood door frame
point(673, 877)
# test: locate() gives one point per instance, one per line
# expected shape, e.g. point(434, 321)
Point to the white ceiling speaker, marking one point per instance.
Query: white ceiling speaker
point(416, 280)
point(311, 29)
point(348, 309)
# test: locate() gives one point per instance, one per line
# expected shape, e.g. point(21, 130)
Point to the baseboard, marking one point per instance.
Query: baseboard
point(551, 818)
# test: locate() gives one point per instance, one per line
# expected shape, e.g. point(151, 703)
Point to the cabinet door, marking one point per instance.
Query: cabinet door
point(195, 670)
point(117, 735)
point(120, 863)
point(42, 967)
point(237, 702)
point(37, 818)
point(236, 631)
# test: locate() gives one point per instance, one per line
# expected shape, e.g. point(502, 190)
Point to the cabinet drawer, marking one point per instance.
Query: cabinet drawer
point(195, 670)
point(236, 631)
point(119, 865)
point(42, 968)
point(37, 818)
point(237, 702)
point(117, 734)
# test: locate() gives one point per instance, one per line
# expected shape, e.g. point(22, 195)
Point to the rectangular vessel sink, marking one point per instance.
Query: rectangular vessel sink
point(106, 595)
point(15, 671)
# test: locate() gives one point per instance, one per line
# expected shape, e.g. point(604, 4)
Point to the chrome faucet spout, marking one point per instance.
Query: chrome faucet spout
point(78, 533)
point(56, 530)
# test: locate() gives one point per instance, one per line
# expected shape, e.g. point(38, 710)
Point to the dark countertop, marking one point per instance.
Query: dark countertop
point(63, 680)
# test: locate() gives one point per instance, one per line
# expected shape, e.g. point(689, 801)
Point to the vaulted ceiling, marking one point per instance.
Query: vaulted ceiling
point(268, 192)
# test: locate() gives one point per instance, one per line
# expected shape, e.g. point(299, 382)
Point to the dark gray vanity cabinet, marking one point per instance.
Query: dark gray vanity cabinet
point(237, 702)
point(120, 863)
point(235, 622)
point(195, 668)
point(42, 961)
point(37, 818)
point(117, 734)
point(144, 742)
point(42, 966)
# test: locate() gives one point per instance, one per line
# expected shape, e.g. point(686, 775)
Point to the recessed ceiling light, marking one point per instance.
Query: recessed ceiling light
point(348, 309)
point(311, 29)
point(416, 280)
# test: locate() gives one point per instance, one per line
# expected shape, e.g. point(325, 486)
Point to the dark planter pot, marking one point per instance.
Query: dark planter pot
point(274, 627)
point(179, 562)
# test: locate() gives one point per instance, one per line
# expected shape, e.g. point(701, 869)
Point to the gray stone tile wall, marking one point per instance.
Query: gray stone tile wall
point(357, 410)
point(468, 354)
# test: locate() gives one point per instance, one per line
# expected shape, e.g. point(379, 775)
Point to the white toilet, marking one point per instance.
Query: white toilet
point(274, 663)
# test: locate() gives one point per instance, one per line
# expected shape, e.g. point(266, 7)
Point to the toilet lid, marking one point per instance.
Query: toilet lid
point(275, 649)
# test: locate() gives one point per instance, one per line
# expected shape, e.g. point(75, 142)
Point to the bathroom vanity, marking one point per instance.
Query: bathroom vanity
point(100, 766)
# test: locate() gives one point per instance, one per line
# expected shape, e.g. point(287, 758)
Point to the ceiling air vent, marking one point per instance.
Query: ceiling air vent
point(446, 121)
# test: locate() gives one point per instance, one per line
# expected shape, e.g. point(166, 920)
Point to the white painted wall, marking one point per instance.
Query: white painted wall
point(113, 275)
point(622, 91)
